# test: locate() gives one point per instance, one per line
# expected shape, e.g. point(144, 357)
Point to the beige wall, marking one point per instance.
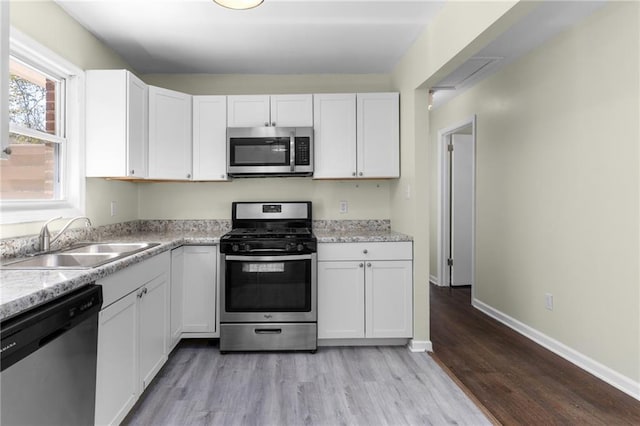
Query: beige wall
point(460, 30)
point(48, 24)
point(558, 187)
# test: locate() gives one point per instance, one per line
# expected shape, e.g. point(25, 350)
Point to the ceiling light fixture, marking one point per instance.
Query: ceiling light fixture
point(239, 4)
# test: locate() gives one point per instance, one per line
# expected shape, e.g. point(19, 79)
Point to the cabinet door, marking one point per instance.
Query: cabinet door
point(116, 124)
point(152, 319)
point(137, 126)
point(389, 299)
point(340, 300)
point(209, 138)
point(199, 315)
point(378, 135)
point(117, 373)
point(248, 111)
point(176, 303)
point(292, 110)
point(169, 134)
point(334, 135)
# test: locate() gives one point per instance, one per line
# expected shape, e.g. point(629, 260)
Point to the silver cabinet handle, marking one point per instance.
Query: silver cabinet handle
point(365, 251)
point(132, 172)
point(353, 174)
point(140, 293)
point(266, 124)
point(368, 265)
point(221, 176)
point(7, 150)
point(144, 291)
point(360, 173)
point(361, 265)
point(188, 175)
point(273, 123)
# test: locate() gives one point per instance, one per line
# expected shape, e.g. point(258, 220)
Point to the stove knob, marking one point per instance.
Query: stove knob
point(246, 247)
point(235, 247)
point(300, 247)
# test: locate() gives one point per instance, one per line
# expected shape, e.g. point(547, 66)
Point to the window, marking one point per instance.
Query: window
point(44, 175)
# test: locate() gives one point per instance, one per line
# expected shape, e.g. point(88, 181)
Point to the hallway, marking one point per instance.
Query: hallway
point(517, 380)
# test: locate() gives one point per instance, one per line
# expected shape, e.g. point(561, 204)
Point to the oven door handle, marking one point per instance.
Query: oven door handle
point(292, 151)
point(269, 258)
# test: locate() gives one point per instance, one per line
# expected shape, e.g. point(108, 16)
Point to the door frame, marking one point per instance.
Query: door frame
point(443, 200)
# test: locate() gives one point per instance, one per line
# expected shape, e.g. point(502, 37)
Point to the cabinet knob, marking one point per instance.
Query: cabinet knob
point(273, 123)
point(188, 175)
point(132, 172)
point(353, 174)
point(360, 173)
point(368, 265)
point(221, 176)
point(361, 265)
point(266, 124)
point(7, 150)
point(365, 251)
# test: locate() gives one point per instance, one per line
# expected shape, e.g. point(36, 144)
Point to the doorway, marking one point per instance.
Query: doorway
point(456, 206)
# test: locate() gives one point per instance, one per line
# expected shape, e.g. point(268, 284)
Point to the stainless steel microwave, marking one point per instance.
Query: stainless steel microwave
point(269, 151)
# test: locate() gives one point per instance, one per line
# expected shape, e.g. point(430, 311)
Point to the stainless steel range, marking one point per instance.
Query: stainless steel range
point(268, 275)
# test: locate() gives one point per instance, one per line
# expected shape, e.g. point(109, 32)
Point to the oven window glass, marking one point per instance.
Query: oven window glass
point(259, 151)
point(268, 286)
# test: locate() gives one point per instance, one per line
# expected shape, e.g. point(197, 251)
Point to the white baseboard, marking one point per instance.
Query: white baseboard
point(599, 370)
point(420, 345)
point(434, 280)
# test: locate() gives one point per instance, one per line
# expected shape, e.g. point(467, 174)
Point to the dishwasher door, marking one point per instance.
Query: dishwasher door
point(49, 362)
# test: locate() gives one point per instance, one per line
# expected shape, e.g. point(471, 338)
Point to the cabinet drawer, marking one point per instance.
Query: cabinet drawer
point(129, 279)
point(366, 251)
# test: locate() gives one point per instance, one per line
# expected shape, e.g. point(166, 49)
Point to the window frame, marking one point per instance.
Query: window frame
point(71, 161)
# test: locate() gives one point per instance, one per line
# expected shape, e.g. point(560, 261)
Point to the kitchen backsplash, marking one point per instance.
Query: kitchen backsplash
point(23, 246)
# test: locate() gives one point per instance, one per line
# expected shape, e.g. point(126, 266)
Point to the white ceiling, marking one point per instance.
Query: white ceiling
point(278, 37)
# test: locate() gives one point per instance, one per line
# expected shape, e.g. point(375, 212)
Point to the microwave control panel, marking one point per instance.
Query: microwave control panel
point(303, 148)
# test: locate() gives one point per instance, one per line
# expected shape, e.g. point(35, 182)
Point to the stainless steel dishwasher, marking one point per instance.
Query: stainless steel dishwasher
point(48, 363)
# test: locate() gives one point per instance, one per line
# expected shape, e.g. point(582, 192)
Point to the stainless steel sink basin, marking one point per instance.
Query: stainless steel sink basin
point(89, 255)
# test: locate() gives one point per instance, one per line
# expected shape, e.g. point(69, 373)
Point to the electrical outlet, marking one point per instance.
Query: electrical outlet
point(548, 301)
point(344, 206)
point(113, 208)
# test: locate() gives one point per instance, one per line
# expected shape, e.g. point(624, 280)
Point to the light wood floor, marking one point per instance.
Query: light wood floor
point(335, 386)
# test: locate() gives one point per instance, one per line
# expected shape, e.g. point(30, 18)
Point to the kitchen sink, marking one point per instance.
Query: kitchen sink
point(85, 256)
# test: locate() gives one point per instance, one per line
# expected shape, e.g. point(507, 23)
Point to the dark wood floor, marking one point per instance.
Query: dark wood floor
point(518, 381)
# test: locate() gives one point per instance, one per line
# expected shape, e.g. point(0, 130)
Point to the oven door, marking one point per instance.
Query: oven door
point(268, 288)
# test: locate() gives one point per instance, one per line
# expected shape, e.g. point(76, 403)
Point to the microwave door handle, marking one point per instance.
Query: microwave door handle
point(292, 151)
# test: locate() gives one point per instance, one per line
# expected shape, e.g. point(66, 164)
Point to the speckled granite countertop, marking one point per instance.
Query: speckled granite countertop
point(24, 289)
point(359, 235)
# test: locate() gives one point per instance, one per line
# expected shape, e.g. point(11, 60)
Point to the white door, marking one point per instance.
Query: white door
point(378, 135)
point(334, 128)
point(138, 126)
point(209, 138)
point(169, 134)
point(152, 318)
point(389, 299)
point(248, 111)
point(292, 110)
point(461, 209)
point(199, 313)
point(117, 373)
point(340, 300)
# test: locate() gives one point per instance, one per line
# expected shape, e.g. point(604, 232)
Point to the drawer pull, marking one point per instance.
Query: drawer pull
point(268, 331)
point(365, 251)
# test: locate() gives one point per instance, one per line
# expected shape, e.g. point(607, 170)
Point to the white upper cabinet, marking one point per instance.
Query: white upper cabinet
point(356, 135)
point(209, 138)
point(270, 110)
point(116, 124)
point(378, 135)
point(334, 132)
point(292, 110)
point(169, 134)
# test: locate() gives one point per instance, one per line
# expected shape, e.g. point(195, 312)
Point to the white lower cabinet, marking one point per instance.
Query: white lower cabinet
point(177, 286)
point(200, 291)
point(132, 335)
point(365, 290)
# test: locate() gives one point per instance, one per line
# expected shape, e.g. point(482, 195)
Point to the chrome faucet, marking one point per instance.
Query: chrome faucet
point(45, 236)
